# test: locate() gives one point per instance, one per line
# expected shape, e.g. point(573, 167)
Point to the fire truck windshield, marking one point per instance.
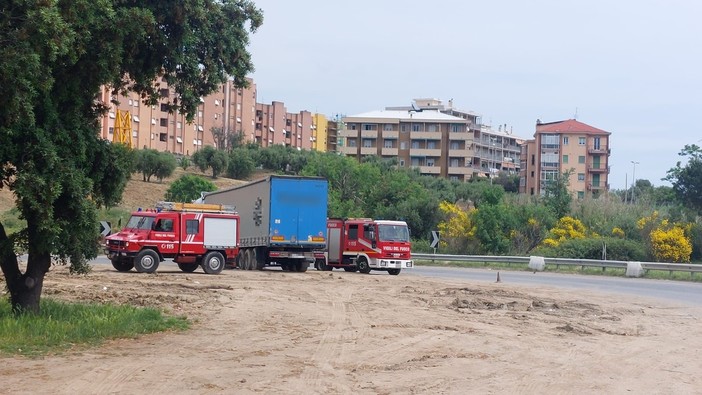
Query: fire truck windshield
point(393, 233)
point(139, 222)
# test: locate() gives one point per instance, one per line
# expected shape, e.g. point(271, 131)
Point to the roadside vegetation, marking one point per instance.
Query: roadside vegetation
point(62, 326)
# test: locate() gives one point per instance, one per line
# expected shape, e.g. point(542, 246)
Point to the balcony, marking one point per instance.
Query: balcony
point(390, 134)
point(348, 150)
point(460, 136)
point(369, 133)
point(389, 151)
point(597, 187)
point(429, 169)
point(347, 133)
point(426, 135)
point(601, 150)
point(461, 153)
point(460, 170)
point(425, 152)
point(598, 169)
point(369, 151)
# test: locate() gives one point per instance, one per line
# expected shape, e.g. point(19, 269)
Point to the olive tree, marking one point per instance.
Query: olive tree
point(55, 57)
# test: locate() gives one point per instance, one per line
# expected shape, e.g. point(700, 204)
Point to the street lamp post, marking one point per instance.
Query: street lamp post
point(633, 181)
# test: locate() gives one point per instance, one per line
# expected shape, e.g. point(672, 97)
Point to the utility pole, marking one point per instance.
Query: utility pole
point(633, 182)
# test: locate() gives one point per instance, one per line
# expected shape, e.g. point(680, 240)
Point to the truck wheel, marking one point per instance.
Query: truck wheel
point(301, 265)
point(187, 267)
point(122, 264)
point(394, 272)
point(362, 265)
point(259, 259)
point(147, 261)
point(213, 262)
point(321, 264)
point(350, 268)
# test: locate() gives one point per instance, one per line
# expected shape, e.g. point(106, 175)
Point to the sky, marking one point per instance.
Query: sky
point(630, 67)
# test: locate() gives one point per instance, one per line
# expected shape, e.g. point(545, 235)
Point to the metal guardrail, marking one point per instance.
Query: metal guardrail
point(524, 260)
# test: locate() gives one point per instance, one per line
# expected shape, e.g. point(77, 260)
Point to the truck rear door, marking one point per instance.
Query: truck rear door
point(298, 211)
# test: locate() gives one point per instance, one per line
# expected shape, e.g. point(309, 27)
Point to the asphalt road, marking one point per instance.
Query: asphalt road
point(672, 291)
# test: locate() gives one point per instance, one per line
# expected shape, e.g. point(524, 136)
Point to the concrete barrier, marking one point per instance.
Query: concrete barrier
point(537, 263)
point(634, 269)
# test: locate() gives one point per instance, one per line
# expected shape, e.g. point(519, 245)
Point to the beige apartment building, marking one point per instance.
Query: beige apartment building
point(231, 109)
point(439, 140)
point(560, 146)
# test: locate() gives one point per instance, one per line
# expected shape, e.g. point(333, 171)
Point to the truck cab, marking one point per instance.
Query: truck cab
point(364, 244)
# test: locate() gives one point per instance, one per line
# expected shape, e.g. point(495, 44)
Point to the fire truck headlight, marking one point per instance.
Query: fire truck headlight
point(126, 244)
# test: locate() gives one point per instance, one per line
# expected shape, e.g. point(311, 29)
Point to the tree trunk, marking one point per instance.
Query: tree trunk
point(25, 288)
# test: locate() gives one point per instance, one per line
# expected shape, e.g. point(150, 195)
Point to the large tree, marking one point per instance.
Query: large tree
point(55, 56)
point(687, 178)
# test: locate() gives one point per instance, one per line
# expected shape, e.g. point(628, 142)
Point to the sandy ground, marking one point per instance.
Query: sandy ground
point(343, 333)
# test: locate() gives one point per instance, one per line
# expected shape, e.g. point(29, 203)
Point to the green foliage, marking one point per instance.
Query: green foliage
point(55, 57)
point(557, 197)
point(510, 183)
point(184, 162)
point(61, 326)
point(493, 228)
point(150, 163)
point(687, 179)
point(211, 158)
point(188, 188)
point(593, 248)
point(241, 164)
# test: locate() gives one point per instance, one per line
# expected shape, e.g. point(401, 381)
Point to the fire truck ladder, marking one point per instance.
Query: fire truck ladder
point(122, 133)
point(198, 207)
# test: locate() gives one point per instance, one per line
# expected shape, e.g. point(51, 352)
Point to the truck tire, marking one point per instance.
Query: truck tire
point(122, 264)
point(321, 264)
point(188, 267)
point(259, 258)
point(147, 261)
point(362, 265)
point(213, 262)
point(350, 269)
point(301, 265)
point(394, 272)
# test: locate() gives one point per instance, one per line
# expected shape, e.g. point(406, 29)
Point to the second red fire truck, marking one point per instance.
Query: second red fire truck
point(364, 244)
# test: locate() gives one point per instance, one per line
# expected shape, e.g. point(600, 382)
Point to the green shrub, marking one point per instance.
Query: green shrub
point(592, 248)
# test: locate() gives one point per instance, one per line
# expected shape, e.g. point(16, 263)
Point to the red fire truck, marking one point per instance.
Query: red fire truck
point(364, 244)
point(192, 235)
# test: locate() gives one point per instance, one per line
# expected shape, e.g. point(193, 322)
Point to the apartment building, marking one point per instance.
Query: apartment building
point(231, 109)
point(560, 146)
point(439, 140)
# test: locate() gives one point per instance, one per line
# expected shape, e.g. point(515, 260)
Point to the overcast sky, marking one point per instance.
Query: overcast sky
point(633, 68)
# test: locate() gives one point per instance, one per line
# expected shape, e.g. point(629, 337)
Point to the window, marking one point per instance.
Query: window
point(163, 137)
point(456, 128)
point(431, 145)
point(433, 127)
point(402, 163)
point(430, 162)
point(581, 159)
point(581, 140)
point(415, 161)
point(565, 158)
point(455, 145)
point(353, 232)
point(416, 127)
point(415, 144)
point(565, 140)
point(191, 226)
point(179, 125)
point(164, 107)
point(454, 162)
point(164, 92)
point(403, 145)
point(352, 142)
point(164, 225)
point(581, 176)
point(163, 122)
point(549, 141)
point(532, 176)
point(403, 128)
point(111, 130)
point(370, 127)
point(368, 232)
point(581, 195)
point(387, 144)
point(387, 127)
point(367, 143)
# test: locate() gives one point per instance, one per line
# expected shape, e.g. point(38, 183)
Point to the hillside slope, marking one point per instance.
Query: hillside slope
point(145, 194)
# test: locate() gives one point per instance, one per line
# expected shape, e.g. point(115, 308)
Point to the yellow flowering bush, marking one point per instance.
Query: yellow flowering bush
point(566, 228)
point(670, 243)
point(457, 227)
point(618, 232)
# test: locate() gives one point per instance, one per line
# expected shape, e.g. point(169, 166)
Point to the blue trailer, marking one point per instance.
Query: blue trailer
point(283, 220)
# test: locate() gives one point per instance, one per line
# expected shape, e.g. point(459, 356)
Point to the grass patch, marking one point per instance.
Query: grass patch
point(62, 326)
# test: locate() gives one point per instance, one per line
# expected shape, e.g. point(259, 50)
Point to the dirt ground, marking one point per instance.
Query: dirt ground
point(342, 333)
